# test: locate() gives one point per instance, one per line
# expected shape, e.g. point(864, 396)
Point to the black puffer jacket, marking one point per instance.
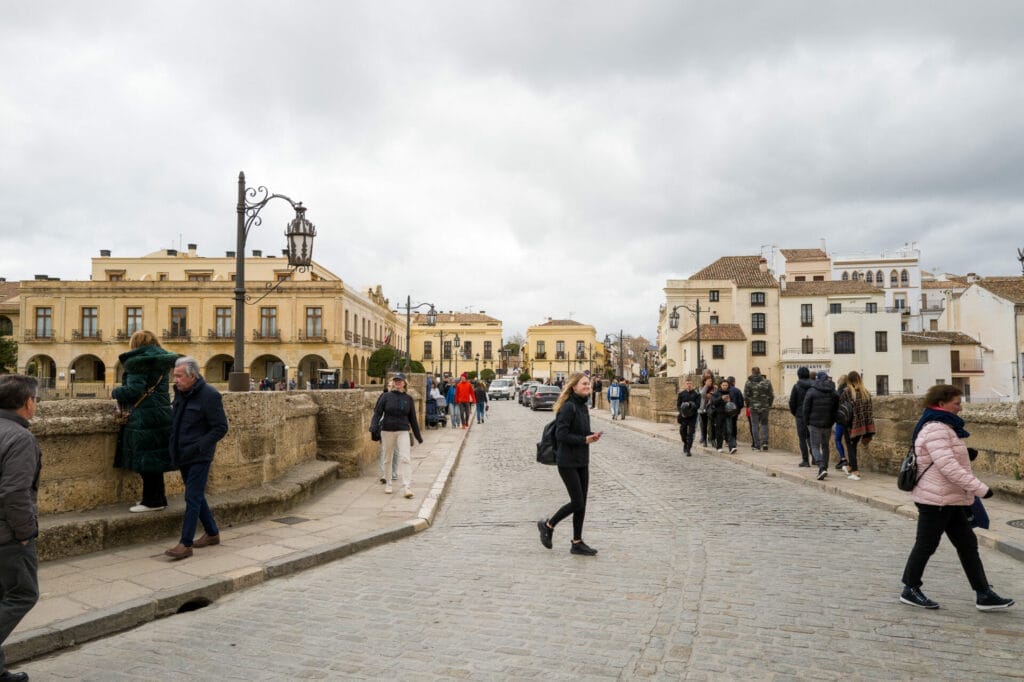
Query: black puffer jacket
point(198, 422)
point(820, 404)
point(796, 397)
point(142, 443)
point(396, 411)
point(572, 426)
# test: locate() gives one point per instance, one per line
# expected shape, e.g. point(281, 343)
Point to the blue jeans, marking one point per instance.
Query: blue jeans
point(838, 430)
point(615, 407)
point(480, 409)
point(196, 509)
point(759, 427)
point(819, 436)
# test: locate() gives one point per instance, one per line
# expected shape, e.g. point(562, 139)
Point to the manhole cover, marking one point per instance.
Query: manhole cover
point(1017, 523)
point(290, 520)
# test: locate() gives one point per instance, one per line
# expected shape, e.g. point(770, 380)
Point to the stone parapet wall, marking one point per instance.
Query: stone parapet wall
point(270, 433)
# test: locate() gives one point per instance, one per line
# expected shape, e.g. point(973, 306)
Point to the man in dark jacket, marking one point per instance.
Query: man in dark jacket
point(198, 422)
point(736, 395)
point(759, 396)
point(20, 462)
point(687, 403)
point(819, 412)
point(796, 408)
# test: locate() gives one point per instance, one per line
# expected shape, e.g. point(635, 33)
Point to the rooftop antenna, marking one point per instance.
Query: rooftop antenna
point(1020, 257)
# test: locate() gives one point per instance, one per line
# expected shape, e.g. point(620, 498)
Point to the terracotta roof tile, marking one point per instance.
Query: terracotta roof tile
point(745, 271)
point(1010, 288)
point(8, 290)
point(453, 318)
point(831, 287)
point(716, 332)
point(798, 255)
point(943, 285)
point(560, 323)
point(953, 338)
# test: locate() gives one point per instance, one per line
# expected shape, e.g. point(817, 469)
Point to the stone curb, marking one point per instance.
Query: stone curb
point(986, 538)
point(103, 622)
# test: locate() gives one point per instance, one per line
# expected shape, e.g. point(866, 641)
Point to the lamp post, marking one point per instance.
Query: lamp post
point(590, 357)
point(72, 373)
point(300, 235)
point(607, 342)
point(457, 343)
point(673, 322)
point(431, 321)
point(478, 367)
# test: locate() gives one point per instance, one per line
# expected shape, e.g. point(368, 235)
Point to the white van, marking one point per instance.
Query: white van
point(501, 388)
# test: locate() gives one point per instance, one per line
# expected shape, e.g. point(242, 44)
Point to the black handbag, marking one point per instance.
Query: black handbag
point(907, 477)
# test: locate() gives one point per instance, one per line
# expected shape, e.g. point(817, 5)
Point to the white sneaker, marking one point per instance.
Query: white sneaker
point(407, 493)
point(853, 477)
point(387, 489)
point(720, 450)
point(732, 451)
point(143, 508)
point(846, 468)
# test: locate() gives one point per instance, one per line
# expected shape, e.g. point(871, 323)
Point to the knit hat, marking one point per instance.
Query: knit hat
point(822, 375)
point(803, 373)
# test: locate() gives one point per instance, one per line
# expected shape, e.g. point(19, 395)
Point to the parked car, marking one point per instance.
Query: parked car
point(544, 397)
point(501, 389)
point(526, 391)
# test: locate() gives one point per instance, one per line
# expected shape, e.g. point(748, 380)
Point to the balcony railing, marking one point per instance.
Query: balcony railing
point(802, 351)
point(428, 356)
point(176, 335)
point(46, 337)
point(903, 310)
point(311, 338)
point(581, 355)
point(807, 322)
point(220, 335)
point(540, 356)
point(88, 335)
point(259, 335)
point(560, 355)
point(968, 365)
point(356, 339)
point(488, 356)
point(348, 336)
point(122, 335)
point(932, 308)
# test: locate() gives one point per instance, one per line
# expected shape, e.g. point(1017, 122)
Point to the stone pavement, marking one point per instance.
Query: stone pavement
point(877, 490)
point(707, 570)
point(92, 595)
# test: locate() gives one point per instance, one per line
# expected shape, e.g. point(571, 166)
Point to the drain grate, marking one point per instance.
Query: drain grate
point(1016, 523)
point(290, 520)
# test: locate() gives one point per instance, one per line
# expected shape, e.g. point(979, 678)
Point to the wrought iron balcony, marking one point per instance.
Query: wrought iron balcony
point(259, 335)
point(176, 335)
point(88, 335)
point(311, 338)
point(220, 335)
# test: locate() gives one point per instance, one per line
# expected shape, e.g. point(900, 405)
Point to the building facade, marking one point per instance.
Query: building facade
point(896, 272)
point(458, 342)
point(942, 357)
point(556, 349)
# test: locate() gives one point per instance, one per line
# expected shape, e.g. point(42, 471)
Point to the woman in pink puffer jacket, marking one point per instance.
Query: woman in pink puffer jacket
point(945, 490)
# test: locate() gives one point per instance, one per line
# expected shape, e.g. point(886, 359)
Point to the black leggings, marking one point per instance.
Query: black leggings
point(932, 522)
point(851, 451)
point(577, 480)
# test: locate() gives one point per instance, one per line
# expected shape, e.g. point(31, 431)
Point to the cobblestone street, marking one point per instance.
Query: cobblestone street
point(706, 570)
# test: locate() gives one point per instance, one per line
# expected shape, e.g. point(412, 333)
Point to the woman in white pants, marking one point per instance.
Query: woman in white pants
point(394, 415)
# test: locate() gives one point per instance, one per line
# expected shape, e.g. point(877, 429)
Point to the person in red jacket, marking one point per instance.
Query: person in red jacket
point(465, 397)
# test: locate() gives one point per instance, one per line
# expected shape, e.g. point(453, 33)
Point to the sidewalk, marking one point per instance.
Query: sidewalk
point(93, 595)
point(877, 490)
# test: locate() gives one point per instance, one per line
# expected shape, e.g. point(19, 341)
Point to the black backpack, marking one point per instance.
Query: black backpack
point(548, 445)
point(686, 410)
point(844, 414)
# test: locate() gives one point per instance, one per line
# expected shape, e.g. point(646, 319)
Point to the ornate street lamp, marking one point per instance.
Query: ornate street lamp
point(457, 343)
point(673, 322)
point(478, 367)
point(300, 234)
point(431, 321)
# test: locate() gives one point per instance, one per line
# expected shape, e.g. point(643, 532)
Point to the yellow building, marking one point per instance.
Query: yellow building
point(74, 331)
point(10, 313)
point(458, 342)
point(558, 348)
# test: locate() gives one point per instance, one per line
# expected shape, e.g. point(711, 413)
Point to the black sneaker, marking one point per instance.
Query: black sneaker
point(822, 473)
point(582, 548)
point(803, 464)
point(840, 464)
point(764, 448)
point(545, 533)
point(915, 597)
point(990, 601)
point(687, 453)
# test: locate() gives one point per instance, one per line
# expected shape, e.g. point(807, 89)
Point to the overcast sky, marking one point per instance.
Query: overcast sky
point(530, 159)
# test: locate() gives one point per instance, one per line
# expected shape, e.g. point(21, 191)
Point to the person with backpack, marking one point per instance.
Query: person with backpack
point(623, 398)
point(858, 421)
point(393, 416)
point(706, 422)
point(724, 411)
point(945, 489)
point(614, 396)
point(573, 437)
point(839, 436)
point(759, 396)
point(820, 405)
point(687, 404)
point(796, 408)
point(736, 396)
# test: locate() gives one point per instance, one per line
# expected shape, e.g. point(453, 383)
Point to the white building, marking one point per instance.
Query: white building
point(941, 357)
point(838, 326)
point(896, 272)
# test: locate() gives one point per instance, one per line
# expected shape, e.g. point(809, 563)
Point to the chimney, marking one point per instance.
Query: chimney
point(229, 254)
point(762, 264)
point(41, 278)
point(823, 245)
point(971, 278)
point(256, 253)
point(104, 253)
point(192, 248)
point(172, 252)
point(782, 283)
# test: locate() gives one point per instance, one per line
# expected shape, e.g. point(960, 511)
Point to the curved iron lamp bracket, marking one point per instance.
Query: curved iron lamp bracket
point(272, 287)
point(255, 199)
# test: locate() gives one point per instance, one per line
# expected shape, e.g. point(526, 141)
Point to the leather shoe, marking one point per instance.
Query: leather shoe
point(8, 676)
point(179, 551)
point(207, 541)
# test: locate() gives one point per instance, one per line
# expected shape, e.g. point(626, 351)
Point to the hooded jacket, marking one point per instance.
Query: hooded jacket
point(796, 397)
point(820, 404)
point(142, 443)
point(20, 463)
point(758, 393)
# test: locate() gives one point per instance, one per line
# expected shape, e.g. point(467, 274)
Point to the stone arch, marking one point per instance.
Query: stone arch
point(266, 366)
point(43, 368)
point(6, 326)
point(346, 367)
point(89, 368)
point(218, 368)
point(307, 369)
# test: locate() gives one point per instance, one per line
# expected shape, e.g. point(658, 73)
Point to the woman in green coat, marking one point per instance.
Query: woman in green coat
point(142, 441)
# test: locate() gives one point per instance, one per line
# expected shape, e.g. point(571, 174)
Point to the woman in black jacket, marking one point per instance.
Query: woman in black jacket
point(722, 409)
point(572, 431)
point(394, 415)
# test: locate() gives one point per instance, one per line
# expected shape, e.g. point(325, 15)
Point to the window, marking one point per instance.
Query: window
point(806, 315)
point(268, 323)
point(818, 278)
point(198, 277)
point(447, 350)
point(581, 351)
point(179, 322)
point(6, 326)
point(713, 296)
point(933, 325)
point(488, 350)
point(870, 277)
point(116, 277)
point(560, 350)
point(467, 349)
point(541, 353)
point(879, 279)
point(757, 323)
point(162, 276)
point(223, 329)
point(718, 351)
point(428, 350)
point(132, 320)
point(894, 279)
point(835, 308)
point(871, 307)
point(919, 357)
point(713, 319)
point(939, 382)
point(758, 348)
point(881, 342)
point(856, 276)
point(846, 276)
point(882, 384)
point(843, 343)
point(314, 322)
point(44, 323)
point(807, 346)
point(900, 302)
point(908, 386)
point(757, 298)
point(284, 277)
point(90, 323)
point(799, 278)
point(905, 278)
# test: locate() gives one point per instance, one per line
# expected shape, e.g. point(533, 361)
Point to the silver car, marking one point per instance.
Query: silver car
point(502, 389)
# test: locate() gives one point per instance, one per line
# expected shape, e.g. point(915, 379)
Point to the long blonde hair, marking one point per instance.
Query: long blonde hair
point(855, 384)
point(567, 390)
point(143, 338)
